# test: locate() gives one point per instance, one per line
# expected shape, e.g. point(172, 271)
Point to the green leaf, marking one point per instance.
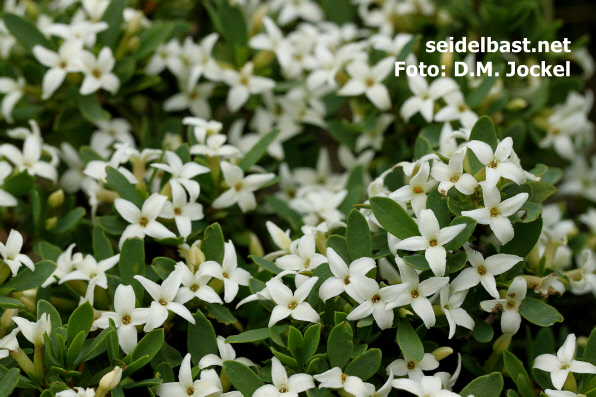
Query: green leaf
point(258, 150)
point(540, 191)
point(25, 32)
point(483, 332)
point(393, 218)
point(338, 11)
point(97, 343)
point(45, 307)
point(418, 262)
point(242, 377)
point(132, 263)
point(303, 348)
point(69, 221)
point(438, 203)
point(590, 350)
point(477, 95)
point(114, 17)
point(74, 348)
point(358, 238)
point(484, 386)
point(9, 381)
point(102, 248)
point(484, 130)
point(235, 30)
point(265, 264)
point(539, 313)
point(283, 210)
point(91, 109)
point(201, 339)
point(255, 335)
point(47, 250)
point(149, 345)
point(28, 279)
point(526, 237)
point(19, 184)
point(408, 340)
point(365, 365)
point(518, 373)
point(11, 303)
point(80, 321)
point(123, 187)
point(112, 224)
point(221, 313)
point(152, 37)
point(213, 243)
point(340, 246)
point(464, 235)
point(340, 344)
point(457, 261)
point(422, 147)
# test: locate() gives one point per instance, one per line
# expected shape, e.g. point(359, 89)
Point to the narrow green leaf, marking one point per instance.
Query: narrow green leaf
point(484, 130)
point(80, 321)
point(518, 373)
point(258, 150)
point(149, 345)
point(340, 344)
point(365, 365)
point(265, 264)
point(9, 381)
point(201, 339)
point(45, 307)
point(408, 340)
point(102, 248)
point(254, 335)
point(123, 187)
point(28, 279)
point(25, 32)
point(590, 350)
point(539, 313)
point(152, 37)
point(526, 237)
point(114, 17)
point(394, 218)
point(69, 221)
point(91, 109)
point(358, 237)
point(464, 235)
point(132, 263)
point(221, 313)
point(242, 377)
point(485, 386)
point(11, 303)
point(213, 243)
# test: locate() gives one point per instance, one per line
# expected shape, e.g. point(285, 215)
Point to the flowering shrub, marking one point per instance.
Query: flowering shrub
point(240, 198)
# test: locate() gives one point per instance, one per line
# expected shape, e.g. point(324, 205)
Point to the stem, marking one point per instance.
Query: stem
point(225, 381)
point(24, 362)
point(100, 393)
point(4, 272)
point(39, 360)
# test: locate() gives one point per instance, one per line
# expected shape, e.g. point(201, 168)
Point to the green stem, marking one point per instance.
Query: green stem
point(4, 272)
point(24, 362)
point(39, 361)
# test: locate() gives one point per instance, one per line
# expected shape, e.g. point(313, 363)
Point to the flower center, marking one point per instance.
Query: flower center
point(238, 186)
point(454, 179)
point(283, 389)
point(244, 80)
point(126, 320)
point(343, 378)
point(369, 82)
point(376, 298)
point(194, 288)
point(494, 212)
point(510, 304)
point(177, 211)
point(143, 221)
point(414, 294)
point(481, 270)
point(190, 391)
point(162, 302)
point(307, 263)
point(433, 243)
point(411, 365)
point(292, 305)
point(96, 73)
point(225, 275)
point(63, 64)
point(493, 164)
point(347, 280)
point(418, 190)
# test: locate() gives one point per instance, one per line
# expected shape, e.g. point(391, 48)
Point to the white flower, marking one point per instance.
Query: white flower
point(550, 285)
point(30, 158)
point(447, 379)
point(109, 132)
point(431, 240)
point(412, 368)
point(457, 109)
point(143, 221)
point(424, 97)
point(59, 63)
point(185, 385)
point(282, 385)
point(451, 307)
point(90, 270)
point(125, 316)
point(183, 173)
point(496, 213)
point(163, 300)
point(241, 189)
point(195, 285)
point(510, 319)
point(416, 189)
point(9, 343)
point(291, 304)
point(98, 72)
point(383, 390)
point(83, 31)
point(342, 274)
point(33, 331)
point(584, 280)
point(302, 256)
point(182, 210)
point(272, 40)
point(336, 379)
point(244, 83)
point(290, 11)
point(369, 81)
point(452, 175)
point(214, 145)
point(561, 393)
point(232, 275)
point(497, 164)
point(11, 253)
point(483, 271)
point(13, 90)
point(417, 292)
point(226, 353)
point(77, 392)
point(281, 239)
point(373, 300)
point(429, 386)
point(563, 363)
point(6, 199)
point(194, 97)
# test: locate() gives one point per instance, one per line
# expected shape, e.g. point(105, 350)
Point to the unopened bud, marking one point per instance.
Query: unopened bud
point(56, 199)
point(6, 319)
point(109, 381)
point(517, 104)
point(502, 343)
point(403, 313)
point(255, 247)
point(447, 62)
point(570, 383)
point(133, 43)
point(442, 352)
point(582, 341)
point(51, 223)
point(263, 59)
point(196, 257)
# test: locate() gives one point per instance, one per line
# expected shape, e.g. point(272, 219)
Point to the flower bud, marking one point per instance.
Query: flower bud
point(502, 343)
point(51, 223)
point(196, 257)
point(56, 199)
point(517, 104)
point(402, 313)
point(442, 352)
point(110, 380)
point(255, 247)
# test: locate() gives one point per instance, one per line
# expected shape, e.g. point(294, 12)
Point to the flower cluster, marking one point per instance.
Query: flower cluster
point(243, 190)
